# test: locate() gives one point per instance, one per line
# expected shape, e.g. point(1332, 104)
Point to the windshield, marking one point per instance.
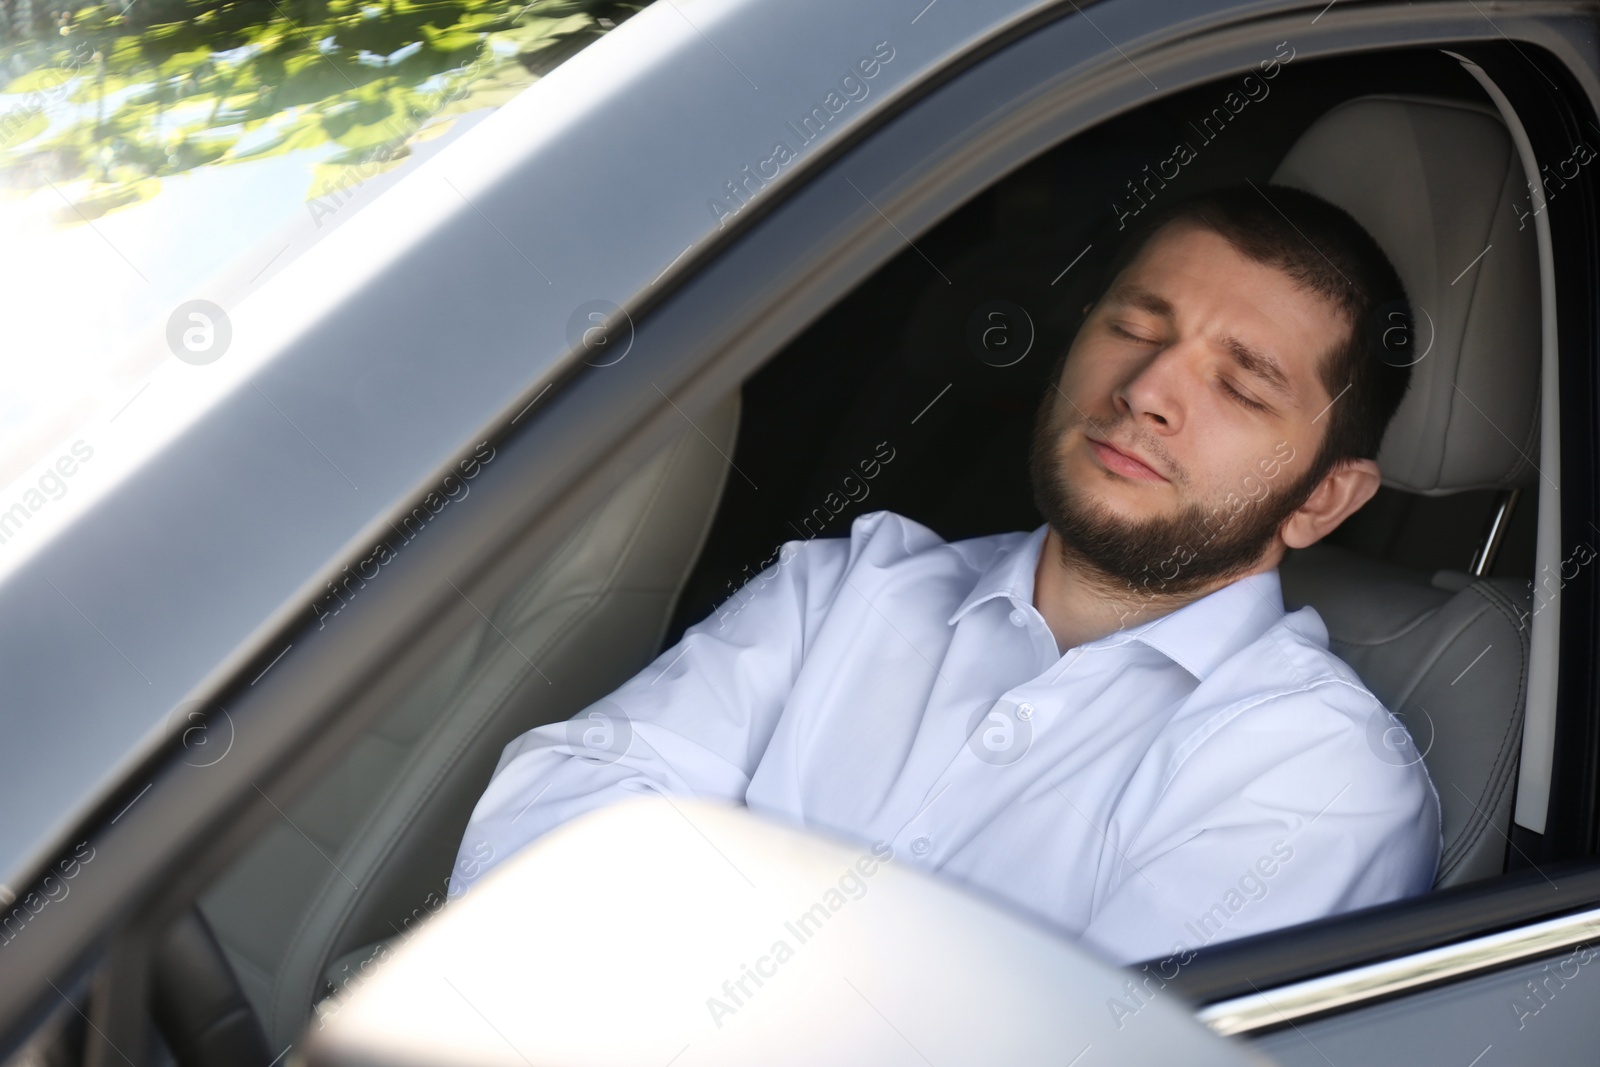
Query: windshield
point(159, 156)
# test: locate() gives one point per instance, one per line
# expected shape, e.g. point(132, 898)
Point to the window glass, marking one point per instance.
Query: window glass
point(154, 152)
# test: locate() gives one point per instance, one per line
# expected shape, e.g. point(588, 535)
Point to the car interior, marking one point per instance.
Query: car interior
point(1424, 591)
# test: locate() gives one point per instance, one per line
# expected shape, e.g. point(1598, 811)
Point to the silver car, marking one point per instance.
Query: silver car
point(384, 381)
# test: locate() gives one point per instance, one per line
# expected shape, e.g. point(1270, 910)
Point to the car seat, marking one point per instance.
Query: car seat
point(1436, 182)
point(371, 845)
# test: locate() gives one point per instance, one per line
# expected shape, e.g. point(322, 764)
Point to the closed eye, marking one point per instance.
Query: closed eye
point(1117, 329)
point(1248, 402)
point(1228, 387)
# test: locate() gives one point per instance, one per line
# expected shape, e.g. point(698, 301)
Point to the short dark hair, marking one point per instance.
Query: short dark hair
point(1325, 251)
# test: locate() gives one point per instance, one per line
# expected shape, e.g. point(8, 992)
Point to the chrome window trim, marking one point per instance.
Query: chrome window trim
point(1315, 996)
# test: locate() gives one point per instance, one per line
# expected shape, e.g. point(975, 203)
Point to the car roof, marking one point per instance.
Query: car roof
point(358, 375)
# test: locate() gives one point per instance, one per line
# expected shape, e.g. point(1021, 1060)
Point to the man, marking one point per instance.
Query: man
point(1110, 723)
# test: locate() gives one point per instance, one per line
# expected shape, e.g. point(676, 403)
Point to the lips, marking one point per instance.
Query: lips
point(1124, 463)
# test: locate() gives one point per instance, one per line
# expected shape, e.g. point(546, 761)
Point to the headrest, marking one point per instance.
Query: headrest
point(1437, 183)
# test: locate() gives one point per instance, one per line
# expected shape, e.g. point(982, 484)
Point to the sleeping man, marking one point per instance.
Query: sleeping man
point(1110, 723)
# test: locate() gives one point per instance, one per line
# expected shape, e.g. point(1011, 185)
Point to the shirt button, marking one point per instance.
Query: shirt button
point(1019, 617)
point(921, 846)
point(1025, 712)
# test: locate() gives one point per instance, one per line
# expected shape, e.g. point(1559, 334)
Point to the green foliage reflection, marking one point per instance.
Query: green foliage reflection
point(105, 100)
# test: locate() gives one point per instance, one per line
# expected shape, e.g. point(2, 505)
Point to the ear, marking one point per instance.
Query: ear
point(1342, 491)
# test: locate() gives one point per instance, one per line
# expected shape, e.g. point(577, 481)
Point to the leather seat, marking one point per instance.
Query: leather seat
point(371, 846)
point(1437, 182)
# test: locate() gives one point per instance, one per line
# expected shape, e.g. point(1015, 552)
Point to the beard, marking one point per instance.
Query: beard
point(1167, 558)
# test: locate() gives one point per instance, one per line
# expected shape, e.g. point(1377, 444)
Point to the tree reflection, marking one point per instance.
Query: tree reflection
point(105, 100)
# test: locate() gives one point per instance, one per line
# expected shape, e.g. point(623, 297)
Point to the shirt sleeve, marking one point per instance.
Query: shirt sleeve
point(694, 722)
point(1288, 810)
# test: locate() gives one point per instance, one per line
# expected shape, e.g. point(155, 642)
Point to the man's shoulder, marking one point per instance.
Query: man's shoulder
point(1291, 655)
point(1288, 690)
point(884, 538)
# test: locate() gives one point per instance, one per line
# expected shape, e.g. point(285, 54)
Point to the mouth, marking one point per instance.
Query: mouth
point(1118, 461)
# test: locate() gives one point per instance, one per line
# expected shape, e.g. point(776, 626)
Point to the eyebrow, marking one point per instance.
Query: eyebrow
point(1250, 360)
point(1262, 366)
point(1143, 299)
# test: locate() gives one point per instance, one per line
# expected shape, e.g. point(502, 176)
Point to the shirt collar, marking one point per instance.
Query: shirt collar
point(1009, 575)
point(1198, 637)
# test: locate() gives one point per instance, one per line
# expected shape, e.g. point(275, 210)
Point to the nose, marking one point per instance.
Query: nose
point(1152, 393)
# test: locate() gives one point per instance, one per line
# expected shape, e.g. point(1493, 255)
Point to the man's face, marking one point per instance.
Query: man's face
point(1182, 430)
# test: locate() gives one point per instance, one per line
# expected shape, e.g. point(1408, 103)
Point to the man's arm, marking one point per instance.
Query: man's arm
point(695, 722)
point(1282, 814)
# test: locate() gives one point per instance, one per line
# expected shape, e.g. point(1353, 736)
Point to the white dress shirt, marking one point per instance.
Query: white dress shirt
point(1211, 773)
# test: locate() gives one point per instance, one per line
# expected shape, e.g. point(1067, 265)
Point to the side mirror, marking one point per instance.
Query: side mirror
point(671, 931)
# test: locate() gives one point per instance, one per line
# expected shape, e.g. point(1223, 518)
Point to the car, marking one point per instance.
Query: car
point(466, 445)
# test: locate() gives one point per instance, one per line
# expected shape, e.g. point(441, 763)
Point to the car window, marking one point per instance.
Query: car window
point(158, 160)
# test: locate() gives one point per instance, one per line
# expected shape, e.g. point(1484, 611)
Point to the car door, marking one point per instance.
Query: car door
point(727, 257)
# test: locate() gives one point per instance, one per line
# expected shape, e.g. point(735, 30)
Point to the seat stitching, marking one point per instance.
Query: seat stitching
point(1426, 616)
point(1499, 777)
point(1445, 640)
point(1493, 597)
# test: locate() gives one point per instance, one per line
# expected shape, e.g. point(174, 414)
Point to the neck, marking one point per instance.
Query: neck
point(1081, 604)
